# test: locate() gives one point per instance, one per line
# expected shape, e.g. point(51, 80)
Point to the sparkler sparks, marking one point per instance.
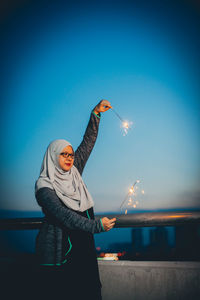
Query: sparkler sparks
point(125, 125)
point(133, 196)
point(131, 190)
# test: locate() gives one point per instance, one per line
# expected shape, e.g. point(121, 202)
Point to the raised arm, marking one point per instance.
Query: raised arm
point(85, 148)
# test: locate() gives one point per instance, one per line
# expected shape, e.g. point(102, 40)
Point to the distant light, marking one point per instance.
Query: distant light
point(109, 256)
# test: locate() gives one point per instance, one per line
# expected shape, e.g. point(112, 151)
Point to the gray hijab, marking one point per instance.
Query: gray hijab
point(69, 186)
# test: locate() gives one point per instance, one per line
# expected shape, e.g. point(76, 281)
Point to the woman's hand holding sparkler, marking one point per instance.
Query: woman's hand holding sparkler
point(102, 106)
point(108, 223)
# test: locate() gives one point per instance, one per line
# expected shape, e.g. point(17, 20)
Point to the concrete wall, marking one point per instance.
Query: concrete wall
point(134, 280)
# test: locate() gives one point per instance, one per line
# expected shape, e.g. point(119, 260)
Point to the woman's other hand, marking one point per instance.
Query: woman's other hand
point(102, 106)
point(108, 223)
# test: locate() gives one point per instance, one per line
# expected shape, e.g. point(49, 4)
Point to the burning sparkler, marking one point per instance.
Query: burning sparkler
point(125, 125)
point(131, 198)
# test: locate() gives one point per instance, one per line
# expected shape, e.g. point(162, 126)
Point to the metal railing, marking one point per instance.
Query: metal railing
point(177, 280)
point(147, 219)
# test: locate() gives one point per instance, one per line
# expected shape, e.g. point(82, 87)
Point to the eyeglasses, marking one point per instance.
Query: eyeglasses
point(67, 155)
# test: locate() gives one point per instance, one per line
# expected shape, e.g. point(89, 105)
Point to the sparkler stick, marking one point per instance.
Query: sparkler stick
point(117, 115)
point(123, 201)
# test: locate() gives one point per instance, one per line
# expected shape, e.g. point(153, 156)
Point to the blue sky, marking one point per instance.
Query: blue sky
point(60, 58)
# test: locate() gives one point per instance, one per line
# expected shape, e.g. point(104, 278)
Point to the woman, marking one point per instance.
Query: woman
point(65, 245)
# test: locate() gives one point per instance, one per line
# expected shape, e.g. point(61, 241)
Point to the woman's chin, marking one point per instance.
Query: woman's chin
point(67, 169)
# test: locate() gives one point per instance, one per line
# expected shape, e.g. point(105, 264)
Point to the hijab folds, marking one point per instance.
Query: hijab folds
point(68, 185)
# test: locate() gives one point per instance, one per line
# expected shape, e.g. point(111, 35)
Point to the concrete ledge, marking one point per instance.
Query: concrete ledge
point(155, 280)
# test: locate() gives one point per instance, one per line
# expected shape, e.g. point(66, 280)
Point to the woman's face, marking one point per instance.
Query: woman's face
point(66, 158)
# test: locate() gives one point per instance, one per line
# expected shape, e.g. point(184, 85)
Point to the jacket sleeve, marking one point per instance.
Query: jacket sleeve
point(85, 148)
point(56, 210)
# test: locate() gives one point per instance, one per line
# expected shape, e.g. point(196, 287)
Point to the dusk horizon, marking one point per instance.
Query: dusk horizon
point(60, 59)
